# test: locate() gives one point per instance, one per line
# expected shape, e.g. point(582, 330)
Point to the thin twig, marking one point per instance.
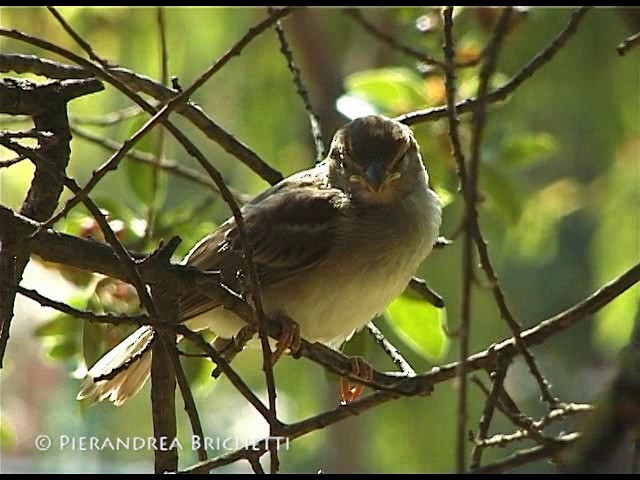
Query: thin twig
point(497, 379)
point(171, 166)
point(558, 414)
point(159, 153)
point(136, 83)
point(245, 334)
point(233, 377)
point(33, 133)
point(78, 39)
point(255, 465)
point(187, 396)
point(390, 40)
point(12, 161)
point(393, 353)
point(470, 195)
point(522, 457)
point(514, 415)
point(301, 90)
point(503, 92)
point(73, 312)
point(628, 44)
point(505, 313)
point(419, 286)
point(451, 88)
point(111, 118)
point(467, 275)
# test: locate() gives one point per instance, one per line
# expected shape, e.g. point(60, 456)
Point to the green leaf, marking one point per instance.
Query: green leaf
point(140, 175)
point(420, 325)
point(7, 434)
point(527, 148)
point(64, 347)
point(62, 324)
point(390, 89)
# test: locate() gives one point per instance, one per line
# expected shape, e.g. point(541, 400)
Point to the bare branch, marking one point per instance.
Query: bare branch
point(534, 454)
point(419, 286)
point(170, 166)
point(628, 44)
point(390, 350)
point(389, 39)
point(497, 379)
point(301, 90)
point(503, 92)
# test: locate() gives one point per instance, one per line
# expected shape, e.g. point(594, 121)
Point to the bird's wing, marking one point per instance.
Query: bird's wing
point(291, 228)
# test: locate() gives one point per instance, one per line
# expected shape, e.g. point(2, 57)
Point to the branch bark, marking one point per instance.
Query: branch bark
point(47, 104)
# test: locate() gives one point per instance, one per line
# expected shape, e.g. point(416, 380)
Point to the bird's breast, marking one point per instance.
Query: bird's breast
point(372, 263)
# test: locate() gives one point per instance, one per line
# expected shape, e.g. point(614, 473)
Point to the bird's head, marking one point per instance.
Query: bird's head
point(375, 159)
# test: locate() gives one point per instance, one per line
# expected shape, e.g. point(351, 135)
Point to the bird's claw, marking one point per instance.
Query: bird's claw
point(289, 338)
point(360, 368)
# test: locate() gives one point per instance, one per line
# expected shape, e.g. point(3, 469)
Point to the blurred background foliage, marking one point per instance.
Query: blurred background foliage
point(560, 195)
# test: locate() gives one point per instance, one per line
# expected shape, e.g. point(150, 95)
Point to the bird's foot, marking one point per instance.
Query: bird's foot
point(360, 368)
point(289, 337)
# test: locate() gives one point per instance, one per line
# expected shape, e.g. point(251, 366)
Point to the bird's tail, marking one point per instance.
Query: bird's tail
point(122, 372)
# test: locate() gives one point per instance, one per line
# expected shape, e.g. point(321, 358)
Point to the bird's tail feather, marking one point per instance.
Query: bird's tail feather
point(130, 359)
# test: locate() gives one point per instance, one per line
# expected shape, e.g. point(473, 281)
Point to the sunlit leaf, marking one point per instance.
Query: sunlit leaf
point(390, 89)
point(420, 325)
point(64, 347)
point(528, 148)
point(62, 324)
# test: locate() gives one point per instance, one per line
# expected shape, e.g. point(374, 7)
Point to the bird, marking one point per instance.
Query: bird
point(333, 246)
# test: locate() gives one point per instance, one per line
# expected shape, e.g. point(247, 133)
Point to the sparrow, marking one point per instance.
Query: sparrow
point(333, 246)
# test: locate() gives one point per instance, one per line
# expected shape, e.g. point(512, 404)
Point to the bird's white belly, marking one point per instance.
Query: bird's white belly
point(330, 301)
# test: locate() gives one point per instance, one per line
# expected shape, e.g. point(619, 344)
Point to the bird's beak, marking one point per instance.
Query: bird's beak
point(376, 176)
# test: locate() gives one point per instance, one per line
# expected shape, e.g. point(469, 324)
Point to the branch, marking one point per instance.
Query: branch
point(419, 286)
point(503, 92)
point(47, 104)
point(170, 166)
point(534, 454)
point(137, 83)
point(628, 44)
point(301, 90)
point(73, 312)
point(497, 380)
point(390, 350)
point(555, 415)
point(390, 40)
point(469, 191)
